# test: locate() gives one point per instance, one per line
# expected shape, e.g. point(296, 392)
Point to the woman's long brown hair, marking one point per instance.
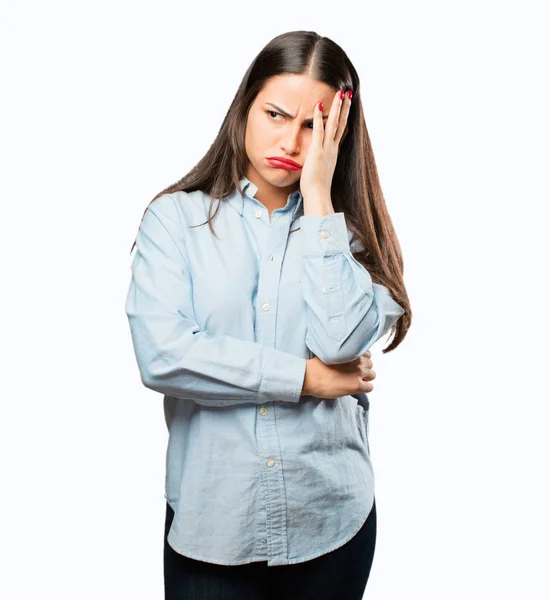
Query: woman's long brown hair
point(356, 189)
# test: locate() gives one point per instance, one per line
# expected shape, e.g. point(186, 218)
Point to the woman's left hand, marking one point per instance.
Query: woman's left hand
point(320, 163)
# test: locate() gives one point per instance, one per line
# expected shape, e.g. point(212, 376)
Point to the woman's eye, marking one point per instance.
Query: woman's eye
point(272, 112)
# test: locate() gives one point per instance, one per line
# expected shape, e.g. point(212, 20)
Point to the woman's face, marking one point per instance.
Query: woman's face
point(271, 132)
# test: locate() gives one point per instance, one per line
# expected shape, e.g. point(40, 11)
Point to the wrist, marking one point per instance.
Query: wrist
point(318, 205)
point(306, 383)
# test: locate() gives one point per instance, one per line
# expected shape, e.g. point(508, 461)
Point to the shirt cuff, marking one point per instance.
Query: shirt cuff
point(283, 379)
point(324, 235)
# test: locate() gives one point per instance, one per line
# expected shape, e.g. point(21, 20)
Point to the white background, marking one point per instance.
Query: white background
point(106, 103)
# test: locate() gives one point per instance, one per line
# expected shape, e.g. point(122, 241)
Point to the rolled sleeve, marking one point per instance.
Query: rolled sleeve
point(346, 312)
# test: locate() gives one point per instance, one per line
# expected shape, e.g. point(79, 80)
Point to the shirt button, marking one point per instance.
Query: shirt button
point(324, 234)
point(262, 540)
point(258, 214)
point(263, 410)
point(324, 289)
point(265, 306)
point(270, 462)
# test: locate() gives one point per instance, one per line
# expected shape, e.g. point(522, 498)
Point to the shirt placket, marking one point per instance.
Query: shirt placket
point(274, 533)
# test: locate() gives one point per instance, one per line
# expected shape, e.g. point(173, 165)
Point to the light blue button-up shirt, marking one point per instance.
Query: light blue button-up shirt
point(222, 328)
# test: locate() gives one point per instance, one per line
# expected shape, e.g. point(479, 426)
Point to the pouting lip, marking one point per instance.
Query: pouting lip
point(285, 160)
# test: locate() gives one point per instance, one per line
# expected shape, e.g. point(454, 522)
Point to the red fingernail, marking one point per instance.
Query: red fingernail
point(320, 106)
point(350, 93)
point(341, 94)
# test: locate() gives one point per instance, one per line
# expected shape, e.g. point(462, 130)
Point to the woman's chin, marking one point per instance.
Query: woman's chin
point(281, 177)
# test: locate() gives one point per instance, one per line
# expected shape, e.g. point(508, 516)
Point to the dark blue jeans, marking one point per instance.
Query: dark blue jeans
point(339, 575)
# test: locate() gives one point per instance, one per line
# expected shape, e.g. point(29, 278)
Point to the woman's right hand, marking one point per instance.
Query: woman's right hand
point(333, 381)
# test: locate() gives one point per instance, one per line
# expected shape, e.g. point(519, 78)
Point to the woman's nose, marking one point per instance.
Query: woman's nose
point(291, 144)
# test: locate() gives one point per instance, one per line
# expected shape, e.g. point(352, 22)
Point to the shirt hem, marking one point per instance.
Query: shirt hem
point(275, 562)
point(214, 561)
point(338, 544)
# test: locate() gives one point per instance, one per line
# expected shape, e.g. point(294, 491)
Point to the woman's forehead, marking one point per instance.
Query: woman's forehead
point(291, 91)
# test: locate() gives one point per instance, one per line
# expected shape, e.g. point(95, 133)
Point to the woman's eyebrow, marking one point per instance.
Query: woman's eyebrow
point(286, 114)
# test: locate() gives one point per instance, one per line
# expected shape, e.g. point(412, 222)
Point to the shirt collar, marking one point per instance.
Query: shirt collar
point(237, 200)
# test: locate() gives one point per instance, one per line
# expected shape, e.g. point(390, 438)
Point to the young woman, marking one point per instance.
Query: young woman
point(257, 332)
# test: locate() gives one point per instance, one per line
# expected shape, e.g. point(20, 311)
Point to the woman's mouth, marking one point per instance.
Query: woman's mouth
point(281, 163)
